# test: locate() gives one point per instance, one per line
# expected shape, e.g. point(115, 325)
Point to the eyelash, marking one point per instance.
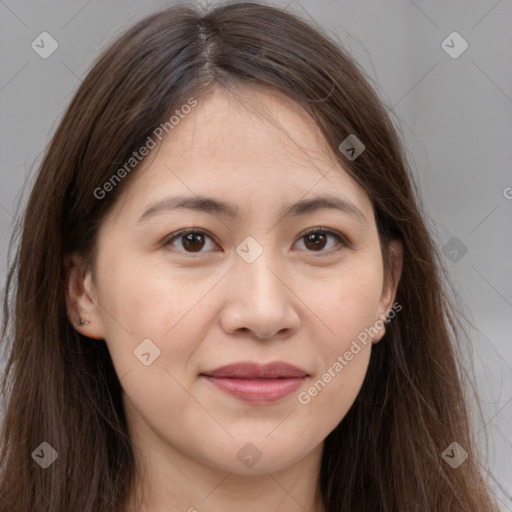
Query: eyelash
point(342, 241)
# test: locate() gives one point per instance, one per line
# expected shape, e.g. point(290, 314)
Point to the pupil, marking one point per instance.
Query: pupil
point(316, 237)
point(193, 239)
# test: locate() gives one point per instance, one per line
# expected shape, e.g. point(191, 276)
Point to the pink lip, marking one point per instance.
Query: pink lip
point(257, 383)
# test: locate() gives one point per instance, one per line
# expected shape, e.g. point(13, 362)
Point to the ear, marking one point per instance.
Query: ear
point(389, 288)
point(81, 302)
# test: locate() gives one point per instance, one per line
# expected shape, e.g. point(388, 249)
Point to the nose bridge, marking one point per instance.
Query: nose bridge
point(256, 269)
point(258, 299)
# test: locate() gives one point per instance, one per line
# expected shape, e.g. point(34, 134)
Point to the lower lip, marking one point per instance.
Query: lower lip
point(257, 390)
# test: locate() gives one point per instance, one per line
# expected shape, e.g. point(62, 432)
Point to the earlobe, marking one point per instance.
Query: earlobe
point(81, 305)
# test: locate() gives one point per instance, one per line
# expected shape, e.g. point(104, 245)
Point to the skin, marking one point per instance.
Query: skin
point(208, 308)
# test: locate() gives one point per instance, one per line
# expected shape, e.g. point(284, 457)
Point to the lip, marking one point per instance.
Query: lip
point(257, 383)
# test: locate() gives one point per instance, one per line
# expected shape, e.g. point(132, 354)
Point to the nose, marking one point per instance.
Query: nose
point(260, 299)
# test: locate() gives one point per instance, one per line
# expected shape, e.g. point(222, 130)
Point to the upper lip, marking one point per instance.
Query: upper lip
point(251, 370)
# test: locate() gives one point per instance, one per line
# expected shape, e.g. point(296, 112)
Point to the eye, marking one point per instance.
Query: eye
point(316, 240)
point(192, 239)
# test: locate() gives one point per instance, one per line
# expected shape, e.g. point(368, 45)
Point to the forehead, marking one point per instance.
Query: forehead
point(256, 146)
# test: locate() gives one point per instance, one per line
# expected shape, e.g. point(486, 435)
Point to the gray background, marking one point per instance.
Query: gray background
point(455, 115)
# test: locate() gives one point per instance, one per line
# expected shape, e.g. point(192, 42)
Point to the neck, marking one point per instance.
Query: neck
point(173, 481)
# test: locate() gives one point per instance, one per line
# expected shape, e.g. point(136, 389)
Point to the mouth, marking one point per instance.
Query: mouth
point(257, 383)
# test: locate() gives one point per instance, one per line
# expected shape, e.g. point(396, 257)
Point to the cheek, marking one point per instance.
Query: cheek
point(140, 302)
point(348, 303)
point(331, 395)
point(347, 306)
point(342, 357)
point(146, 298)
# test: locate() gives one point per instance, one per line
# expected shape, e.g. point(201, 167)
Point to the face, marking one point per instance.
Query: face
point(260, 281)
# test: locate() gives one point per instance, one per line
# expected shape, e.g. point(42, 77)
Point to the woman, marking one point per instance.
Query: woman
point(226, 295)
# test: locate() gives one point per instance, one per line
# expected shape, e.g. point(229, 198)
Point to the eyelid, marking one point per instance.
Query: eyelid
point(167, 241)
point(341, 239)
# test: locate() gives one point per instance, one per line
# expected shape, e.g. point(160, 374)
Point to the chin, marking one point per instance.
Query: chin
point(258, 458)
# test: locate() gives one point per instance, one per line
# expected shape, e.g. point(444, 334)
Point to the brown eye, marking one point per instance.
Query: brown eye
point(316, 240)
point(192, 240)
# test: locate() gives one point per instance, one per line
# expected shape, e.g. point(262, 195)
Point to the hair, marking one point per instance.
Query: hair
point(62, 387)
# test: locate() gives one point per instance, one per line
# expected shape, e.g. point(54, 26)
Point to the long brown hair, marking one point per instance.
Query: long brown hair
point(386, 454)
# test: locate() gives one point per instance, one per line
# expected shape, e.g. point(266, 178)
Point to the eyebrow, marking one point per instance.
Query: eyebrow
point(214, 206)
